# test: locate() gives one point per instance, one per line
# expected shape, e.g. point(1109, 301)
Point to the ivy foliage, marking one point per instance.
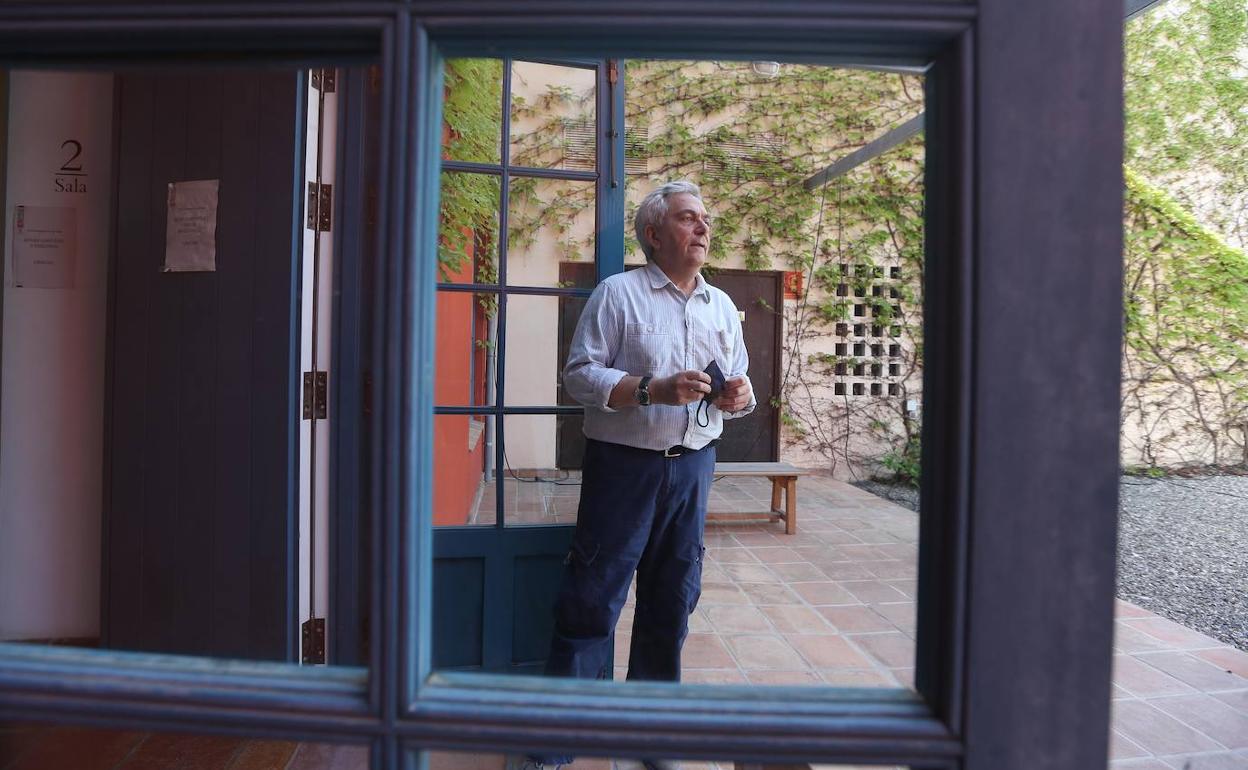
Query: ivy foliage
point(469, 202)
point(1185, 362)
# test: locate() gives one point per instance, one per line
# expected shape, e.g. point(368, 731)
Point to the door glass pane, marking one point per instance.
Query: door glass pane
point(472, 110)
point(39, 746)
point(551, 237)
point(538, 338)
point(468, 240)
point(541, 482)
point(553, 122)
point(467, 344)
point(463, 475)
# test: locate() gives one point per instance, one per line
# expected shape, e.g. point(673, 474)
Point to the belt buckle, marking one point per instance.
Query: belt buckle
point(674, 451)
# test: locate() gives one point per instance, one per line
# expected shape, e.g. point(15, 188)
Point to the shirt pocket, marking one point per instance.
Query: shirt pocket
point(714, 345)
point(646, 347)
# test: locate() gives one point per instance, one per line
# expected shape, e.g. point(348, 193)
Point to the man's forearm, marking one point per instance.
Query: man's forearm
point(622, 394)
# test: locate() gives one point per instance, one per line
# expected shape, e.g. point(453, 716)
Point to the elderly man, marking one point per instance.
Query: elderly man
point(652, 422)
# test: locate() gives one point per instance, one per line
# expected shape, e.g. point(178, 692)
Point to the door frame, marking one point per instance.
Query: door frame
point(1019, 497)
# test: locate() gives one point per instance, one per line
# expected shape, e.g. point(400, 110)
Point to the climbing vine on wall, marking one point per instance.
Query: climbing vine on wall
point(1185, 354)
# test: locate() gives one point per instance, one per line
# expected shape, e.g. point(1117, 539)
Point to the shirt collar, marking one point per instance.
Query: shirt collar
point(659, 279)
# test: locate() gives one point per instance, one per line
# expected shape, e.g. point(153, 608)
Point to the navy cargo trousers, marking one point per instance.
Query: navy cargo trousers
point(642, 512)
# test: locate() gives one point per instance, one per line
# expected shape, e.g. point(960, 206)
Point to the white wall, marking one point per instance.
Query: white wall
point(52, 397)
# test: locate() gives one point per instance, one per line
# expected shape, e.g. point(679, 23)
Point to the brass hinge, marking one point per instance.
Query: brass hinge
point(320, 207)
point(613, 71)
point(324, 80)
point(314, 640)
point(315, 395)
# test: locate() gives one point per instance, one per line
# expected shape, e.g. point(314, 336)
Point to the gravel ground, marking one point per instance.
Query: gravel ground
point(1182, 549)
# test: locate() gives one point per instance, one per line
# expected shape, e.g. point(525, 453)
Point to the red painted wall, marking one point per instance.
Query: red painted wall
point(457, 469)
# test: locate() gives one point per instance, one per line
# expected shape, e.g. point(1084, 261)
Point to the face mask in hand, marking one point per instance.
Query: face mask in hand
point(717, 387)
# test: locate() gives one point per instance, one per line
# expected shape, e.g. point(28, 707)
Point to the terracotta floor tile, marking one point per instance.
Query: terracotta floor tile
point(1122, 747)
point(1130, 639)
point(797, 572)
point(824, 593)
point(712, 676)
point(732, 555)
point(847, 570)
point(770, 594)
point(1125, 609)
point(756, 652)
point(161, 751)
point(892, 649)
point(1179, 637)
point(1157, 731)
point(706, 651)
point(908, 588)
point(758, 539)
point(855, 619)
point(797, 620)
point(1222, 760)
point(731, 618)
point(264, 755)
point(901, 615)
point(749, 573)
point(784, 678)
point(777, 555)
point(80, 748)
point(1142, 680)
point(894, 568)
point(1226, 658)
point(847, 677)
point(622, 642)
point(1138, 764)
point(722, 593)
point(1198, 673)
point(1214, 718)
point(1237, 700)
point(325, 756)
point(873, 591)
point(828, 651)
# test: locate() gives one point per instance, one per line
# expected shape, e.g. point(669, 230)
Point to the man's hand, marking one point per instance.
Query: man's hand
point(736, 394)
point(681, 388)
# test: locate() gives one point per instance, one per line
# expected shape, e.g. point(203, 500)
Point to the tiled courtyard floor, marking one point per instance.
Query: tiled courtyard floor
point(834, 605)
point(830, 605)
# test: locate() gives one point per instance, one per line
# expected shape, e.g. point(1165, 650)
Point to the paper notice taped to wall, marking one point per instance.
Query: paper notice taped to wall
point(191, 227)
point(45, 246)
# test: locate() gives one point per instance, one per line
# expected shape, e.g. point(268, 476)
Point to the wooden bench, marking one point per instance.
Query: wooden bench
point(783, 478)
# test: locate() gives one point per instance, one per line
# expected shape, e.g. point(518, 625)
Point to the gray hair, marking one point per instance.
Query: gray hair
point(654, 207)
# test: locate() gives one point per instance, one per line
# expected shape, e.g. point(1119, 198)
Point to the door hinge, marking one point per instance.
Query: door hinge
point(613, 71)
point(315, 395)
point(314, 640)
point(320, 207)
point(324, 80)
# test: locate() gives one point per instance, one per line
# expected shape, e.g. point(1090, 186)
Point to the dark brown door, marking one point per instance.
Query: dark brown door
point(201, 443)
point(759, 298)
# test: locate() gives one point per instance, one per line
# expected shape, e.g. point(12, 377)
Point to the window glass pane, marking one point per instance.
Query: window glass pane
point(467, 343)
point(553, 122)
point(468, 228)
point(538, 337)
point(38, 746)
point(472, 110)
point(542, 481)
point(463, 475)
point(550, 233)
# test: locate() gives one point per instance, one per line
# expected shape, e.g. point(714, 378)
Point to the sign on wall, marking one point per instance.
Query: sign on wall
point(45, 246)
point(191, 227)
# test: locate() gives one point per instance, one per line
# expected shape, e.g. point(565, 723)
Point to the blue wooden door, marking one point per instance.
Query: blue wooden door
point(532, 182)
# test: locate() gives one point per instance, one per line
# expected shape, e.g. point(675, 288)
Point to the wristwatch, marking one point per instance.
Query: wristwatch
point(642, 393)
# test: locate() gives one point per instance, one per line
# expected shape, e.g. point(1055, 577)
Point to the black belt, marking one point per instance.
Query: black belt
point(680, 449)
